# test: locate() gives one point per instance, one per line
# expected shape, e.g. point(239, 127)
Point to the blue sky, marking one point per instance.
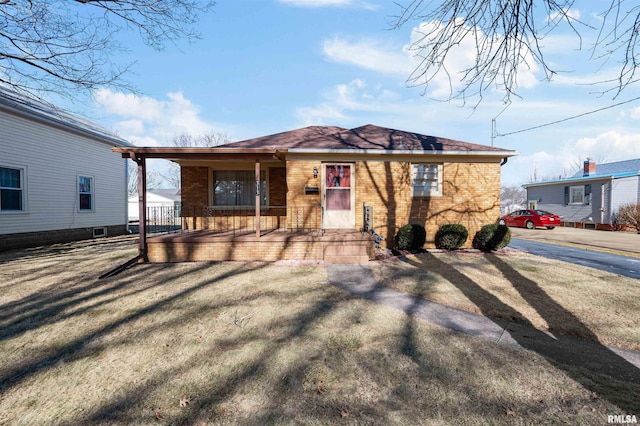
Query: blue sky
point(268, 66)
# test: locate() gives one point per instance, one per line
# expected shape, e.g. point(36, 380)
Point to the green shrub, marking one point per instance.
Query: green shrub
point(451, 236)
point(492, 237)
point(411, 237)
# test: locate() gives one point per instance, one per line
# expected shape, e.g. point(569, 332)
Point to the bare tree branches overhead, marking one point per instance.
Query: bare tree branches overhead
point(509, 39)
point(62, 45)
point(186, 140)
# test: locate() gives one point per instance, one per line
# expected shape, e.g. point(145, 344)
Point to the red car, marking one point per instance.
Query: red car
point(530, 219)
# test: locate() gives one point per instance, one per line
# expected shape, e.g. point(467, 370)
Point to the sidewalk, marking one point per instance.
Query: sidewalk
point(624, 243)
point(615, 362)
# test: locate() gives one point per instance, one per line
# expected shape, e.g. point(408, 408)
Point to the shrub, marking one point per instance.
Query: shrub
point(451, 236)
point(492, 237)
point(411, 237)
point(629, 215)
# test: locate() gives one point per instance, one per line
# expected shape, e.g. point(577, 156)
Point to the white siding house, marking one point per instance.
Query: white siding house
point(59, 179)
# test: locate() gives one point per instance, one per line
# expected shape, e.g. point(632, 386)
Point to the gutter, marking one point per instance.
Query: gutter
point(400, 152)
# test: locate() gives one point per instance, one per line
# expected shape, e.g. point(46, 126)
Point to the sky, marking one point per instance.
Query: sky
point(264, 67)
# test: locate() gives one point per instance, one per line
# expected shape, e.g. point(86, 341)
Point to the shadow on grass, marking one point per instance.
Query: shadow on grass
point(16, 374)
point(580, 359)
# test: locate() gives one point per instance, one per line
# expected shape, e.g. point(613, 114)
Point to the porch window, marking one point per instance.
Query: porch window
point(238, 188)
point(426, 180)
point(12, 189)
point(85, 193)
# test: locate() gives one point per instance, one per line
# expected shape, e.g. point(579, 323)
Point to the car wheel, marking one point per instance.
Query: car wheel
point(501, 222)
point(530, 225)
point(551, 227)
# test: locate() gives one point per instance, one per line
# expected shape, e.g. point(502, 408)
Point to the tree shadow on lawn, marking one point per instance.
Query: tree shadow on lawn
point(74, 350)
point(584, 361)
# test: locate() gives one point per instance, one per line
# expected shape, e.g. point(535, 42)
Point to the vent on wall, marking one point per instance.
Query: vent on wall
point(99, 232)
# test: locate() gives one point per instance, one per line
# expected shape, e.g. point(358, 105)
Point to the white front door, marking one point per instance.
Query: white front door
point(338, 196)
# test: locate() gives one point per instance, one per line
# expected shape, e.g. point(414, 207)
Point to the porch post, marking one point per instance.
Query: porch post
point(258, 182)
point(142, 205)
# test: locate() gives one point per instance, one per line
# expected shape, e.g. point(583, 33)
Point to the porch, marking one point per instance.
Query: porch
point(330, 246)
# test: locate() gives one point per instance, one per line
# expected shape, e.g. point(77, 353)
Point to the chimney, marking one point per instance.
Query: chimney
point(589, 167)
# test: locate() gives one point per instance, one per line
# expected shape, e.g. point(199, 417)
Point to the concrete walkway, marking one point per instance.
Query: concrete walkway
point(619, 363)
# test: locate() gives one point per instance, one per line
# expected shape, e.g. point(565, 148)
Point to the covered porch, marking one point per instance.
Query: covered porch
point(334, 246)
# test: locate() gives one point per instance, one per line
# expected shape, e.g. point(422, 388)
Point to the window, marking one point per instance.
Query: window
point(238, 188)
point(85, 193)
point(426, 179)
point(12, 189)
point(577, 194)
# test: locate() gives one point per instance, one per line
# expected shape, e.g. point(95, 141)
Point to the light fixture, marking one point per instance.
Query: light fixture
point(315, 172)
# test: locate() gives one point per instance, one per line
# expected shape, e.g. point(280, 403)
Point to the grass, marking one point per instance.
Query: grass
point(235, 343)
point(547, 294)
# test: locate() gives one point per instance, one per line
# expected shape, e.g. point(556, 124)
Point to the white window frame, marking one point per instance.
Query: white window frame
point(92, 192)
point(572, 197)
point(23, 189)
point(418, 187)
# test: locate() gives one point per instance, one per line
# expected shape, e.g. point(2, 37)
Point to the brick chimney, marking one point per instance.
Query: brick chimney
point(589, 167)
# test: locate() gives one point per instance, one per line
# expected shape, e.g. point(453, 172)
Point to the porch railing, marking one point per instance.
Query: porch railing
point(160, 219)
point(242, 219)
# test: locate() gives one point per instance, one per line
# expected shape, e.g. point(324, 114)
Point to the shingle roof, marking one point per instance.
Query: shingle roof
point(368, 137)
point(607, 169)
point(35, 109)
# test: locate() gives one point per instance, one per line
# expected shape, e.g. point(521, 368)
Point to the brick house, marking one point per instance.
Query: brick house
point(310, 193)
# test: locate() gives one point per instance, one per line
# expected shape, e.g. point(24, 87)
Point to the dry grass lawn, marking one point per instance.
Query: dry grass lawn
point(233, 343)
point(527, 289)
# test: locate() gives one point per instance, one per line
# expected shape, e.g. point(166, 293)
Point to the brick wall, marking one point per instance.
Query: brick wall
point(470, 196)
point(303, 209)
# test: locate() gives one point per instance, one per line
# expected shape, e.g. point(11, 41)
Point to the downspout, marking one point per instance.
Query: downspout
point(126, 197)
point(504, 161)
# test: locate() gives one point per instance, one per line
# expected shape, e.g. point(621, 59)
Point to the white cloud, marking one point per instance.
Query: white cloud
point(571, 13)
point(368, 54)
point(149, 121)
point(606, 147)
point(635, 113)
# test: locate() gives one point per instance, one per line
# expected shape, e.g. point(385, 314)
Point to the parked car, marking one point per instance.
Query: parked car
point(530, 219)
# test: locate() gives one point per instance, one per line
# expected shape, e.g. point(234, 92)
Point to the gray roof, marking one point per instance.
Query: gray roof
point(34, 109)
point(608, 169)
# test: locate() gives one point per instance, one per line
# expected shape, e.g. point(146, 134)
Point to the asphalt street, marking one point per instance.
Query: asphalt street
point(621, 265)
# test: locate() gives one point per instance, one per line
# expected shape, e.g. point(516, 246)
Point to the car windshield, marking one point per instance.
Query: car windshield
point(542, 212)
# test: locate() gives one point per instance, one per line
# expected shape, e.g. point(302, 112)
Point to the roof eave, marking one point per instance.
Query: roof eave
point(26, 112)
point(500, 154)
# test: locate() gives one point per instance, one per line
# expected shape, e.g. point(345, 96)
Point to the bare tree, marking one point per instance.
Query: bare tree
point(186, 140)
point(512, 198)
point(66, 45)
point(153, 180)
point(508, 38)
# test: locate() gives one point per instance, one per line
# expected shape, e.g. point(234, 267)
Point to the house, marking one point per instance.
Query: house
point(590, 198)
point(311, 193)
point(59, 179)
point(166, 199)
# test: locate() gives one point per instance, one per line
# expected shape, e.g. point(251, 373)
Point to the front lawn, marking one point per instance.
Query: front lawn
point(234, 343)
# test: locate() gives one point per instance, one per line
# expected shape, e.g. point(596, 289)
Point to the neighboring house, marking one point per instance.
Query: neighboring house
point(167, 199)
point(331, 180)
point(59, 179)
point(592, 196)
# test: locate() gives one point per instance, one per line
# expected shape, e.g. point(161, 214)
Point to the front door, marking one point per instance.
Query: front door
point(338, 197)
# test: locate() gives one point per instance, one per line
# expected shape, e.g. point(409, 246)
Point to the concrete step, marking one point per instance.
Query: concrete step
point(342, 254)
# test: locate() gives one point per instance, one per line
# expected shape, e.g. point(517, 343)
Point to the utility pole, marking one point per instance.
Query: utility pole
point(493, 130)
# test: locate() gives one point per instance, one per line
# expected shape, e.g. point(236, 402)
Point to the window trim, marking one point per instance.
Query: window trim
point(92, 193)
point(432, 193)
point(571, 196)
point(23, 189)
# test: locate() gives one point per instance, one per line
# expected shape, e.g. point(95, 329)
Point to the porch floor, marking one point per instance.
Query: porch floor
point(348, 245)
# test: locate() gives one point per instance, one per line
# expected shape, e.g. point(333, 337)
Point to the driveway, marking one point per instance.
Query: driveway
point(614, 252)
